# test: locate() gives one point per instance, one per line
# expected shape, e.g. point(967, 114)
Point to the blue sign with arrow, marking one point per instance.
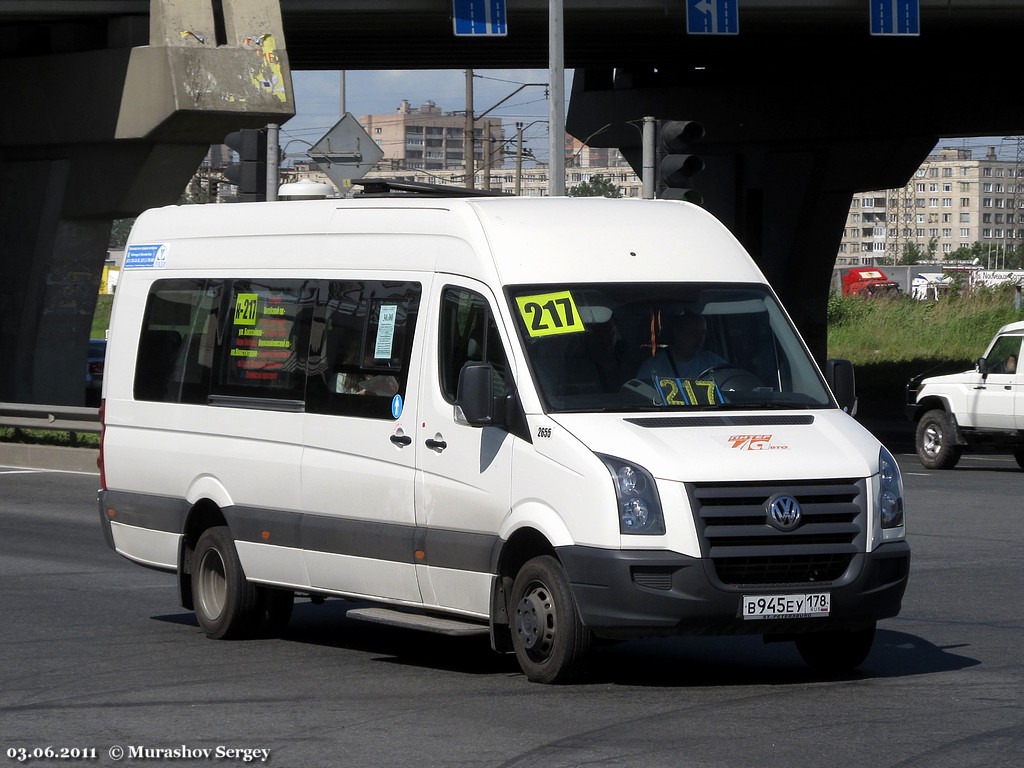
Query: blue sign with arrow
point(712, 17)
point(479, 17)
point(895, 17)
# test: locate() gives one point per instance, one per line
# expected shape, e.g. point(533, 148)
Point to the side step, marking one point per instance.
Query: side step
point(421, 621)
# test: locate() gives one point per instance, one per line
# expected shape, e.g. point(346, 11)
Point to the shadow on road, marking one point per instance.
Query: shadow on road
point(681, 661)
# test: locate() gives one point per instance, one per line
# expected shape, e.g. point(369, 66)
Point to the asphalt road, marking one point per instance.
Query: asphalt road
point(98, 656)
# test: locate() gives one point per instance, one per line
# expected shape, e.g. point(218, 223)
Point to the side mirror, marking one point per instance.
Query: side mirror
point(982, 366)
point(474, 401)
point(840, 377)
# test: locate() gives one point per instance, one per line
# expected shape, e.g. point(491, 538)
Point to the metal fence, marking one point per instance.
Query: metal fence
point(64, 418)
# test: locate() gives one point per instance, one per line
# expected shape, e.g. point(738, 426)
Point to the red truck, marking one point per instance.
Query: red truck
point(869, 283)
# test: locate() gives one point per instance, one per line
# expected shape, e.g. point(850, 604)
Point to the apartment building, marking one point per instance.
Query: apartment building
point(426, 138)
point(953, 201)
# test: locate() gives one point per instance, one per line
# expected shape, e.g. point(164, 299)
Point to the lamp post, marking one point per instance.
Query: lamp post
point(468, 138)
point(520, 128)
point(556, 101)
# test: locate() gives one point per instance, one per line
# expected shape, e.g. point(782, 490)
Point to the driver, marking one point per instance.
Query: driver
point(683, 358)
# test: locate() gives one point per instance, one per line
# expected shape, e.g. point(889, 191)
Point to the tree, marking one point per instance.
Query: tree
point(911, 254)
point(598, 186)
point(119, 230)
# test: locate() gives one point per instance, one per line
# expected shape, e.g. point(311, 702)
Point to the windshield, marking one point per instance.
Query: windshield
point(636, 346)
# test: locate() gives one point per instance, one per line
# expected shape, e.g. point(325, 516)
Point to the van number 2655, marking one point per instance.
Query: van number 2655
point(543, 431)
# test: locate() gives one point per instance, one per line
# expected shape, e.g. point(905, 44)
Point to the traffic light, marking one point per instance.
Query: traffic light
point(677, 166)
point(249, 174)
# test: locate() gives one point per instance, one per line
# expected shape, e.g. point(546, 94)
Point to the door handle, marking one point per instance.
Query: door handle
point(435, 445)
point(400, 439)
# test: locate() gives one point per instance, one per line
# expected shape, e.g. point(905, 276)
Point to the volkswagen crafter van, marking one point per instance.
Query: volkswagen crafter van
point(457, 415)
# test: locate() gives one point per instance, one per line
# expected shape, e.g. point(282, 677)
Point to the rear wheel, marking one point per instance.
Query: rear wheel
point(836, 652)
point(226, 605)
point(548, 636)
point(935, 441)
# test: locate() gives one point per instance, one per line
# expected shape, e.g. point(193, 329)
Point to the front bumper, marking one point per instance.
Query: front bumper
point(634, 593)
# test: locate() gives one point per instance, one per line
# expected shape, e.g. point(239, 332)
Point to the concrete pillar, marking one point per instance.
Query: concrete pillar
point(101, 134)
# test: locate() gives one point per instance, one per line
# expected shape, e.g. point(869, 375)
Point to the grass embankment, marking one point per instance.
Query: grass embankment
point(891, 340)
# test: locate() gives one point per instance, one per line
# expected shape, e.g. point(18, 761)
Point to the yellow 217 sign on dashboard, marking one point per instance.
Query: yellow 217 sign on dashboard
point(547, 314)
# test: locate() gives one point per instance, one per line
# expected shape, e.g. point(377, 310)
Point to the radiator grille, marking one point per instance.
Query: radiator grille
point(746, 551)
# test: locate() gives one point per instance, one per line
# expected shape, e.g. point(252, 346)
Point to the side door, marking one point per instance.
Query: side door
point(358, 464)
point(992, 401)
point(463, 473)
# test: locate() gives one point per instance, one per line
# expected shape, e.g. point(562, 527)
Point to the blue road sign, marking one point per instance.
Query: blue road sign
point(479, 17)
point(712, 17)
point(895, 17)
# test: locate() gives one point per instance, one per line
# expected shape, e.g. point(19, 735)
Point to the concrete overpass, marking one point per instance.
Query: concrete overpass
point(114, 102)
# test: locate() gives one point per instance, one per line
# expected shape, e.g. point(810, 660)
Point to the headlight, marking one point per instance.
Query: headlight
point(636, 495)
point(890, 490)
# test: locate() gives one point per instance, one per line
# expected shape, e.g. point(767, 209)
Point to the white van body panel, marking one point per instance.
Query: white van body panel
point(280, 566)
point(245, 461)
point(466, 593)
point(155, 549)
point(834, 445)
point(530, 240)
point(362, 577)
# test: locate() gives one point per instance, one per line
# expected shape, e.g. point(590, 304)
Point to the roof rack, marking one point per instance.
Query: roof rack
point(394, 188)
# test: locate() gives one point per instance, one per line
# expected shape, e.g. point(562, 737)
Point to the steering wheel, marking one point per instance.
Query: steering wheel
point(711, 369)
point(731, 379)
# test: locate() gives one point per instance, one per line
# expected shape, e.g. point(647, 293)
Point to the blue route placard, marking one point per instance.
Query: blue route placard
point(479, 17)
point(712, 17)
point(895, 17)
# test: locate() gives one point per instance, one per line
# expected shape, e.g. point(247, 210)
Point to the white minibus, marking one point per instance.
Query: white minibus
point(547, 420)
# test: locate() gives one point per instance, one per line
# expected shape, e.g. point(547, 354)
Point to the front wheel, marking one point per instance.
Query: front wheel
point(226, 604)
point(836, 652)
point(548, 636)
point(935, 441)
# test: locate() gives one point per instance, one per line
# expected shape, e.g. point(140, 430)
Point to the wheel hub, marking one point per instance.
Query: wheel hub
point(535, 619)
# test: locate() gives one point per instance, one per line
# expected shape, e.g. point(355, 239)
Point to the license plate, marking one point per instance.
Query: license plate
point(786, 606)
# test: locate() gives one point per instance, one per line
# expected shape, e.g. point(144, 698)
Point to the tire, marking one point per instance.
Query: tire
point(226, 605)
point(836, 652)
point(548, 637)
point(935, 443)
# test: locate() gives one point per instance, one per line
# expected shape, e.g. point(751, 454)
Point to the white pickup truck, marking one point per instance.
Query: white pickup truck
point(983, 407)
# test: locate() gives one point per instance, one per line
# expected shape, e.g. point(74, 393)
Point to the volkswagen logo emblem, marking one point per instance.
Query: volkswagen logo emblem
point(783, 512)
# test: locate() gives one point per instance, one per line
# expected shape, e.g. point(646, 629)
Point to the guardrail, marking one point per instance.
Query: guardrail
point(65, 418)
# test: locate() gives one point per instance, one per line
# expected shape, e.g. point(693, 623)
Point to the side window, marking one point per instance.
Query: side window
point(362, 353)
point(176, 347)
point(1004, 355)
point(268, 329)
point(468, 333)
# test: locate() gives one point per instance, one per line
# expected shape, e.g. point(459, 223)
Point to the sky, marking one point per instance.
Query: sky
point(318, 100)
point(372, 92)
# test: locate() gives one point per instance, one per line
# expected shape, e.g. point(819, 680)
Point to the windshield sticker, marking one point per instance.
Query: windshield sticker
point(688, 392)
point(385, 331)
point(261, 346)
point(548, 314)
point(146, 256)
